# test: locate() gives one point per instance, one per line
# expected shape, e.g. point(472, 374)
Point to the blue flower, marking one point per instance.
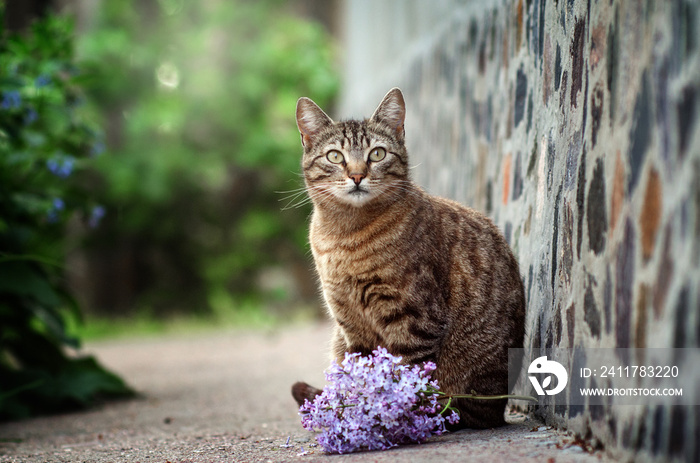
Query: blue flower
point(31, 117)
point(96, 216)
point(42, 81)
point(57, 205)
point(97, 149)
point(11, 100)
point(61, 165)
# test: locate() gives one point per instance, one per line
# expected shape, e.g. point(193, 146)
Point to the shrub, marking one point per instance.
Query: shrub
point(45, 145)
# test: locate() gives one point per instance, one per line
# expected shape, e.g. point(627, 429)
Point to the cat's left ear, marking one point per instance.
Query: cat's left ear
point(392, 111)
point(311, 120)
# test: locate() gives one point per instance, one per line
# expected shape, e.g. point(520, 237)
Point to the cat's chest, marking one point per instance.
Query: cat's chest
point(340, 256)
point(362, 273)
point(353, 275)
point(358, 292)
point(341, 268)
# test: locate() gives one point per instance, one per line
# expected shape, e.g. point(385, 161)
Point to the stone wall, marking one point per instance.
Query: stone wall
point(573, 124)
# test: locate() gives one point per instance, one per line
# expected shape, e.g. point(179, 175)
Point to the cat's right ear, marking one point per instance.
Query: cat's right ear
point(392, 111)
point(311, 120)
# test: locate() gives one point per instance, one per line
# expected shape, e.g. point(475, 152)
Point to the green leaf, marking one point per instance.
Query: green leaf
point(5, 395)
point(4, 257)
point(83, 379)
point(21, 279)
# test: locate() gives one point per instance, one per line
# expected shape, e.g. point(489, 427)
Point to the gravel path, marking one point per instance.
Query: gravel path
point(225, 397)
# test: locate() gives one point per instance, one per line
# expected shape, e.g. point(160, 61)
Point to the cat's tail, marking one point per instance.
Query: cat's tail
point(302, 391)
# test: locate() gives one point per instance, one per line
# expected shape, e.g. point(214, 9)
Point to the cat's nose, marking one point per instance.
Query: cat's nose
point(357, 178)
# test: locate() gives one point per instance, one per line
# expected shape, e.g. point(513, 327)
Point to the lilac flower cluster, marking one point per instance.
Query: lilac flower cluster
point(374, 403)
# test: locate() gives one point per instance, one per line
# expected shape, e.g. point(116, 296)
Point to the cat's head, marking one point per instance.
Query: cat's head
point(354, 162)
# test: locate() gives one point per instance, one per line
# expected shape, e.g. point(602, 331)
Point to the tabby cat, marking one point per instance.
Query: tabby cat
point(424, 277)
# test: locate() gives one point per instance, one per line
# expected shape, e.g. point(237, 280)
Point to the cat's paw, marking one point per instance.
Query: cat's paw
point(302, 391)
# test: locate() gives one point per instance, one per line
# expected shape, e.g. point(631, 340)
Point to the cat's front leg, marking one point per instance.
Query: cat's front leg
point(338, 344)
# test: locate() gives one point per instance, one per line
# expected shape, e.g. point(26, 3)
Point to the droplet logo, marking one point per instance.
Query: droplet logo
point(551, 367)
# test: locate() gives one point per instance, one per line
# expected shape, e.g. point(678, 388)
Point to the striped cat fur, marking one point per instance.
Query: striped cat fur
point(425, 277)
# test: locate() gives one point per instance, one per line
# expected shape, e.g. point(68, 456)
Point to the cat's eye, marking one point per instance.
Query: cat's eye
point(377, 154)
point(336, 157)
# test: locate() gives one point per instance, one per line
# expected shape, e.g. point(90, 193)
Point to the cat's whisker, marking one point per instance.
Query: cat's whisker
point(294, 190)
point(294, 200)
point(297, 173)
point(297, 205)
point(293, 197)
point(396, 189)
point(318, 194)
point(299, 197)
point(298, 202)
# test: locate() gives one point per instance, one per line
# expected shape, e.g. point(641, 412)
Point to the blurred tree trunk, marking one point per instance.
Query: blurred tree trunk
point(326, 12)
point(19, 14)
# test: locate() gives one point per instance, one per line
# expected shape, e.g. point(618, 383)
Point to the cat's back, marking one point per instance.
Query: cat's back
point(472, 236)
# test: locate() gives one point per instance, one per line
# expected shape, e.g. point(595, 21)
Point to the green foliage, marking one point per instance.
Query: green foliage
point(198, 99)
point(45, 144)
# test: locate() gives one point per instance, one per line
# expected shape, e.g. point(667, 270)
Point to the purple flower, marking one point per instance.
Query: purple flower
point(374, 403)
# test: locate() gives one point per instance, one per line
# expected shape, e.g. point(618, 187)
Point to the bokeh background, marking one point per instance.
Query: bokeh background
point(197, 157)
point(145, 147)
point(149, 177)
point(197, 102)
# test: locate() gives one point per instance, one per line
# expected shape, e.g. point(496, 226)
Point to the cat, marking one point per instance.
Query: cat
point(425, 277)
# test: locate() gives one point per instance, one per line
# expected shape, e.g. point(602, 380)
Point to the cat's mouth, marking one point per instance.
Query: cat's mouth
point(357, 189)
point(357, 194)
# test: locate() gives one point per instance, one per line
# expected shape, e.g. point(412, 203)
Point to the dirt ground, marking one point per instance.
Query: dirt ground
point(225, 397)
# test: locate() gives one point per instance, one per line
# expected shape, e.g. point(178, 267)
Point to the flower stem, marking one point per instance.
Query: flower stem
point(486, 397)
point(447, 406)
